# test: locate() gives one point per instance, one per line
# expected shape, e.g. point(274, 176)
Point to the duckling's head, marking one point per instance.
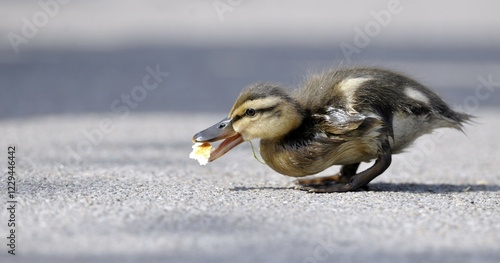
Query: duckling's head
point(262, 111)
point(265, 111)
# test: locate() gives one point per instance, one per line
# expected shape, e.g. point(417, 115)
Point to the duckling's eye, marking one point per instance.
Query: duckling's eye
point(250, 112)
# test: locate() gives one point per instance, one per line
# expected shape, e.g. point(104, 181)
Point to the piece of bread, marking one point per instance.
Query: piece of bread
point(201, 152)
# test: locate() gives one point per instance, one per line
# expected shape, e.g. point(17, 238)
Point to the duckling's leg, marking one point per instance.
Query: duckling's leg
point(359, 180)
point(344, 176)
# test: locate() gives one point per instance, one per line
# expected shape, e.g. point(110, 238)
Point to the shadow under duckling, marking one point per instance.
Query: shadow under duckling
point(341, 117)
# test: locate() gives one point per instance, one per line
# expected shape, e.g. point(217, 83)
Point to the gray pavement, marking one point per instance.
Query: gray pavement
point(135, 196)
point(101, 103)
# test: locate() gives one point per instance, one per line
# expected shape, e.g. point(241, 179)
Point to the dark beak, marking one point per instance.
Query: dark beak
point(221, 130)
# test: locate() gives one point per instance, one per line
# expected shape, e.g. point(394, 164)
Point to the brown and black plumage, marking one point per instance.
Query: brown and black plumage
point(341, 117)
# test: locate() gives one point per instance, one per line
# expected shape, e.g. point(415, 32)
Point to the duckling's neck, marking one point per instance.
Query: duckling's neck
point(291, 117)
point(279, 153)
point(299, 129)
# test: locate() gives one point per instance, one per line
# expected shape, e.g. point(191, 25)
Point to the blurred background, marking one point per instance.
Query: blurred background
point(79, 57)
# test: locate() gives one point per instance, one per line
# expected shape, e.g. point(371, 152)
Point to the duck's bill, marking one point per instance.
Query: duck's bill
point(222, 130)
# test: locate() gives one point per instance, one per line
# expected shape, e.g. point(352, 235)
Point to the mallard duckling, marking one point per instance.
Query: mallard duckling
point(341, 117)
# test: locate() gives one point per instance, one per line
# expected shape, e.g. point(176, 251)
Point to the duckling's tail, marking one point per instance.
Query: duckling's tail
point(458, 119)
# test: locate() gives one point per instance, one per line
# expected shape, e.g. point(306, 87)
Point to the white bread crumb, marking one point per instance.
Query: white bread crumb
point(201, 152)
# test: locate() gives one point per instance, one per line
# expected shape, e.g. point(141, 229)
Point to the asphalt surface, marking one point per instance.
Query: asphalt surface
point(132, 194)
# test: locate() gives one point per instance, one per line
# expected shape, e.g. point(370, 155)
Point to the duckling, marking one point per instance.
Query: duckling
point(341, 117)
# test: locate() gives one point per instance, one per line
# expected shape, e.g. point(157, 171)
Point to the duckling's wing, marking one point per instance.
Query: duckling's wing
point(340, 121)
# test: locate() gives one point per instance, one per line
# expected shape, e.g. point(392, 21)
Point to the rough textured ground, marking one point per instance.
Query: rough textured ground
point(135, 195)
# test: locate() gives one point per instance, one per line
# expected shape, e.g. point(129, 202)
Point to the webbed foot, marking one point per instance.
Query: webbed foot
point(319, 181)
point(337, 183)
point(331, 187)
